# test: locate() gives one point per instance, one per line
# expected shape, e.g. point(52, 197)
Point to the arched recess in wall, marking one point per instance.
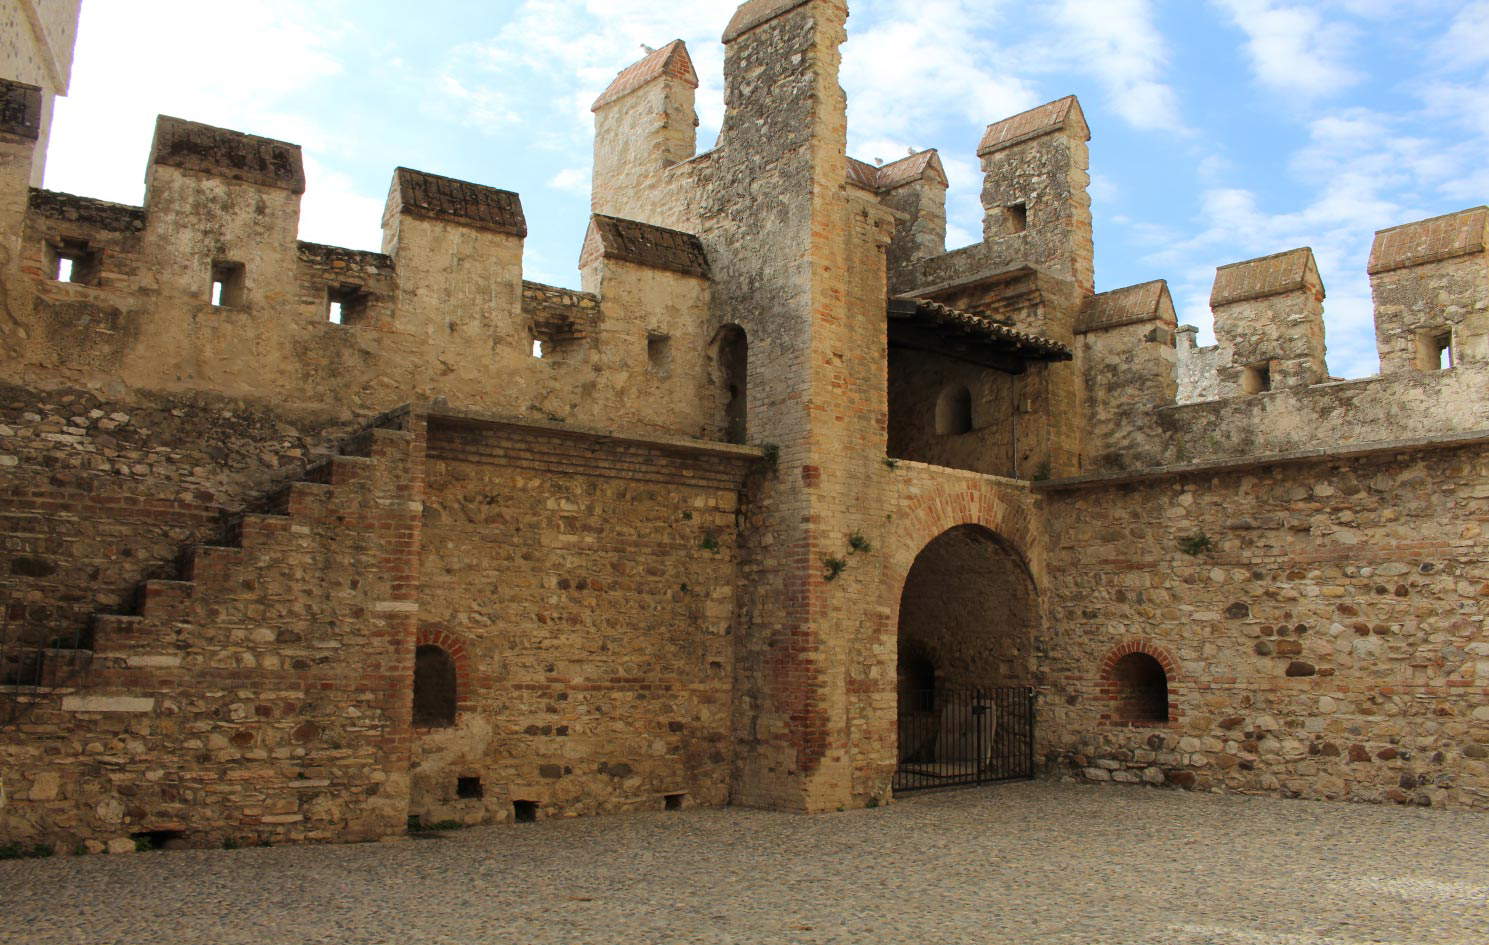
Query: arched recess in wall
point(435, 687)
point(1135, 678)
point(967, 616)
point(954, 410)
point(731, 354)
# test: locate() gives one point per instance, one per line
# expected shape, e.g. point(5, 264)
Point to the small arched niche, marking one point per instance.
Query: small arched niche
point(731, 352)
point(1141, 689)
point(434, 687)
point(954, 411)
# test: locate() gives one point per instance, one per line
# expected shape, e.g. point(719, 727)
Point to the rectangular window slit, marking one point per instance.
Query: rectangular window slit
point(74, 261)
point(525, 812)
point(227, 284)
point(469, 788)
point(537, 348)
point(673, 801)
point(346, 304)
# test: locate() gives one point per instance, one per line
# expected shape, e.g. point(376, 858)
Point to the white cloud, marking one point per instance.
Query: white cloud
point(1119, 43)
point(1466, 42)
point(240, 66)
point(573, 180)
point(1293, 48)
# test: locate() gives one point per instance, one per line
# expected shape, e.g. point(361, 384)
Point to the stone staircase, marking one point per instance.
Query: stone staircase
point(127, 650)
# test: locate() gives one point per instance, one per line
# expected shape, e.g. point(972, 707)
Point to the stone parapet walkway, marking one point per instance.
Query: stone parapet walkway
point(1055, 864)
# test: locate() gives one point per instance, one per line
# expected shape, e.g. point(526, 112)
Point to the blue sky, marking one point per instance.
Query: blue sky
point(1222, 129)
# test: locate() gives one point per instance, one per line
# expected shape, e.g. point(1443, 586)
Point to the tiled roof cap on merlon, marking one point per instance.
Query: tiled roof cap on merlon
point(1062, 115)
point(193, 146)
point(1427, 241)
point(1279, 274)
point(1132, 305)
point(671, 60)
point(978, 328)
point(757, 13)
point(644, 244)
point(456, 201)
point(20, 110)
point(916, 167)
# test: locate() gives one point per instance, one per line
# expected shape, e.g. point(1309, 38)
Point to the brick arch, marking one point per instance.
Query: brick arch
point(459, 655)
point(926, 515)
point(1110, 689)
point(1139, 645)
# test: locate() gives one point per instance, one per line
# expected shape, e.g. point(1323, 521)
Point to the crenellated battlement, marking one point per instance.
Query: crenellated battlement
point(207, 287)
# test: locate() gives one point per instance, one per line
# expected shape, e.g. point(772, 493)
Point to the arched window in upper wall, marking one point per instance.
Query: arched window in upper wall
point(434, 687)
point(732, 351)
point(1142, 689)
point(954, 411)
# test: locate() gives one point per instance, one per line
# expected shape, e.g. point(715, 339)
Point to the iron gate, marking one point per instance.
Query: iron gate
point(974, 736)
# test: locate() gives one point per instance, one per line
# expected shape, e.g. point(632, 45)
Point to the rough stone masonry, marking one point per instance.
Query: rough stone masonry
point(299, 543)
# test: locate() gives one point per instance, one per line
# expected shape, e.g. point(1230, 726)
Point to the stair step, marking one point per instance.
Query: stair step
point(117, 631)
point(61, 667)
point(166, 599)
point(209, 562)
point(303, 499)
point(390, 444)
point(344, 469)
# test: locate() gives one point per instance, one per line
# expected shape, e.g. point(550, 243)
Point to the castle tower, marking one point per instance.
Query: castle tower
point(775, 220)
point(1034, 194)
point(36, 43)
point(644, 124)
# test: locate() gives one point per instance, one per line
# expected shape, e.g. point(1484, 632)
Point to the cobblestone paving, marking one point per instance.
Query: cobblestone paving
point(1023, 863)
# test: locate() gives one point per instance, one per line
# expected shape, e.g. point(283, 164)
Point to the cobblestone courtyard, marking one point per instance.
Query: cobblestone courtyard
point(1018, 863)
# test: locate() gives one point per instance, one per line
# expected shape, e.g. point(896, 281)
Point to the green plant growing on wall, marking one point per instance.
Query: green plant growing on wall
point(710, 543)
point(832, 567)
point(858, 544)
point(1042, 474)
point(770, 456)
point(890, 462)
point(1197, 544)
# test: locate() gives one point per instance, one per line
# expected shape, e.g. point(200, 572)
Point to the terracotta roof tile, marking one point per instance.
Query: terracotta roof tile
point(1292, 271)
point(1128, 306)
point(901, 172)
point(645, 245)
point(671, 60)
point(986, 330)
point(1036, 122)
point(912, 168)
point(457, 201)
point(1447, 237)
point(232, 154)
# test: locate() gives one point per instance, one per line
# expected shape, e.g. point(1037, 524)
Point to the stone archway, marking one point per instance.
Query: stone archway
point(968, 608)
point(967, 617)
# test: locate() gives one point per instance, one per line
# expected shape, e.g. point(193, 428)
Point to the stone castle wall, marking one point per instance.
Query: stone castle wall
point(1328, 641)
point(591, 592)
point(239, 522)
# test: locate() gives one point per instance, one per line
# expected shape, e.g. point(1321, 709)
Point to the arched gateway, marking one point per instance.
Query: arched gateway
point(966, 629)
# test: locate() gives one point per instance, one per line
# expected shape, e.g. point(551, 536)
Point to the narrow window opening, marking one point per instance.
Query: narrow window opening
point(1017, 218)
point(469, 788)
point(227, 284)
point(434, 687)
point(1435, 350)
point(538, 348)
point(1142, 689)
point(732, 355)
point(954, 411)
point(659, 353)
point(346, 304)
point(1257, 378)
point(75, 261)
point(525, 812)
point(673, 801)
